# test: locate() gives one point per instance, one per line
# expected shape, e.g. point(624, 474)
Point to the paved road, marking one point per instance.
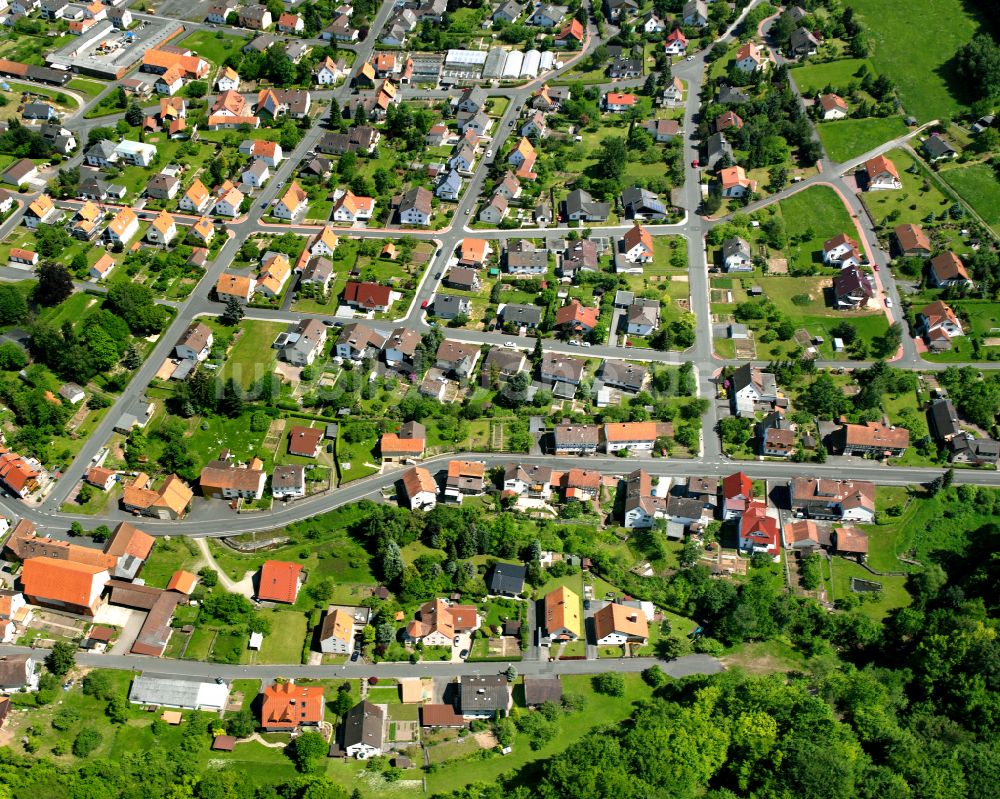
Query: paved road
point(682, 667)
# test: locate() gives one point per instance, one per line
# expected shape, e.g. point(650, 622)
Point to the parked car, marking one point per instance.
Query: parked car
point(424, 304)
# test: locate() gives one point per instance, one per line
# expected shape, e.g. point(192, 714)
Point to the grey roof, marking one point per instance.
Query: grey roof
point(449, 304)
point(542, 689)
point(511, 8)
point(943, 418)
point(507, 362)
point(638, 200)
point(475, 95)
point(169, 689)
point(581, 254)
point(522, 314)
point(13, 669)
point(937, 147)
point(803, 41)
point(37, 111)
point(730, 95)
point(684, 508)
point(563, 367)
point(580, 201)
point(364, 724)
point(289, 476)
point(623, 373)
point(717, 146)
point(507, 578)
point(103, 148)
point(736, 245)
point(484, 693)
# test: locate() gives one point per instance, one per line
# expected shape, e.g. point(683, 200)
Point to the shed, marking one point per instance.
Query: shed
point(224, 743)
point(172, 717)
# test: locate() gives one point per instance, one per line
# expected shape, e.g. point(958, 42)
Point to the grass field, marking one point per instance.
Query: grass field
point(978, 186)
point(902, 52)
point(252, 356)
point(811, 217)
point(918, 197)
point(848, 138)
point(284, 643)
point(813, 78)
point(214, 47)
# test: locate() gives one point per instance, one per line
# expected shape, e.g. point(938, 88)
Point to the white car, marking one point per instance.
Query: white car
point(690, 58)
point(574, 343)
point(584, 343)
point(510, 344)
point(489, 153)
point(888, 302)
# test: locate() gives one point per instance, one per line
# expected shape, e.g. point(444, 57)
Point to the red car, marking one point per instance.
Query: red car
point(694, 163)
point(424, 304)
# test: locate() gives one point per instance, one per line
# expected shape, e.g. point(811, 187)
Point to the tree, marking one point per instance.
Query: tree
point(134, 115)
point(977, 66)
point(12, 357)
point(613, 159)
point(86, 741)
point(242, 725)
point(392, 561)
point(308, 750)
point(55, 283)
point(134, 302)
point(234, 312)
point(13, 306)
point(611, 683)
point(132, 359)
point(61, 658)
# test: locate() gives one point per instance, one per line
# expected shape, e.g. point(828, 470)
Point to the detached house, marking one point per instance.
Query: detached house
point(836, 500)
point(947, 269)
point(618, 625)
point(736, 255)
point(292, 204)
point(938, 324)
point(911, 241)
point(841, 251)
point(759, 532)
point(749, 387)
point(419, 489)
point(162, 230)
point(832, 106)
point(302, 343)
point(415, 207)
point(881, 174)
point(631, 436)
point(871, 438)
point(637, 245)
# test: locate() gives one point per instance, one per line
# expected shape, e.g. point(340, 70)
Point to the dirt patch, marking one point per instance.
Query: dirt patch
point(684, 305)
point(487, 740)
point(679, 278)
point(755, 664)
point(993, 341)
point(746, 350)
point(777, 266)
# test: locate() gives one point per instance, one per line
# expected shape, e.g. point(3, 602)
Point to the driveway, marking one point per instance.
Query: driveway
point(463, 642)
point(128, 619)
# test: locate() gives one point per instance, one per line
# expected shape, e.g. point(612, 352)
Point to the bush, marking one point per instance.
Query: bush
point(86, 741)
point(610, 683)
point(801, 300)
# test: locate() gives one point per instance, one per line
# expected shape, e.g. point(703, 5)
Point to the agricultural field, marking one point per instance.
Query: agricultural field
point(978, 185)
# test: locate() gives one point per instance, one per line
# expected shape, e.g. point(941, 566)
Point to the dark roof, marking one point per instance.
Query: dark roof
point(364, 724)
point(522, 314)
point(507, 578)
point(542, 689)
point(12, 669)
point(484, 693)
point(944, 419)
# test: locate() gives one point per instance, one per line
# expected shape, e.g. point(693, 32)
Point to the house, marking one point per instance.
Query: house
point(292, 204)
point(472, 99)
point(523, 158)
point(484, 696)
point(279, 102)
point(579, 206)
point(881, 174)
point(735, 183)
point(196, 199)
point(368, 296)
point(532, 481)
point(841, 251)
point(288, 482)
point(300, 345)
point(718, 150)
point(631, 436)
point(535, 126)
point(501, 364)
point(643, 317)
point(465, 479)
point(805, 535)
point(911, 241)
point(401, 347)
point(189, 65)
point(575, 439)
point(836, 500)
point(703, 489)
point(41, 211)
point(758, 532)
point(642, 204)
point(268, 151)
point(336, 636)
point(749, 387)
point(562, 621)
point(619, 102)
point(736, 255)
point(626, 68)
point(101, 478)
point(474, 253)
point(832, 106)
point(290, 23)
point(618, 625)
point(21, 256)
point(547, 16)
point(451, 306)
point(19, 475)
point(676, 42)
point(750, 58)
point(256, 174)
point(170, 82)
point(419, 489)
point(364, 731)
point(617, 9)
point(576, 319)
point(508, 12)
point(329, 72)
point(663, 130)
point(579, 256)
point(239, 286)
point(358, 341)
point(279, 581)
point(695, 13)
point(849, 541)
point(571, 32)
point(162, 230)
point(872, 438)
point(523, 258)
point(65, 585)
point(623, 375)
point(195, 343)
point(457, 358)
point(171, 501)
point(351, 208)
point(304, 442)
point(728, 119)
point(777, 439)
point(539, 690)
point(550, 98)
point(557, 368)
point(255, 17)
point(938, 324)
point(407, 443)
point(506, 579)
point(162, 187)
point(937, 148)
point(943, 420)
point(223, 479)
point(637, 245)
point(439, 623)
point(123, 227)
point(495, 210)
point(287, 707)
point(673, 93)
point(975, 451)
point(852, 289)
point(415, 207)
point(462, 279)
point(529, 316)
point(449, 187)
point(86, 221)
point(737, 493)
point(947, 269)
point(642, 505)
point(802, 42)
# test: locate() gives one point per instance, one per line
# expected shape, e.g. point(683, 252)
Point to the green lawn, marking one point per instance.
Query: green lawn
point(86, 86)
point(901, 50)
point(848, 138)
point(284, 643)
point(214, 46)
point(813, 78)
point(980, 318)
point(977, 184)
point(918, 197)
point(252, 356)
point(894, 594)
point(811, 217)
